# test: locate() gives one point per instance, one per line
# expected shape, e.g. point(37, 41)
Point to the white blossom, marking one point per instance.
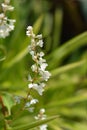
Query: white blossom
point(5, 28)
point(6, 24)
point(40, 43)
point(41, 61)
point(30, 85)
point(7, 7)
point(41, 116)
point(43, 66)
point(17, 99)
point(38, 87)
point(32, 53)
point(42, 110)
point(45, 75)
point(34, 68)
point(29, 32)
point(2, 16)
point(33, 101)
point(41, 54)
point(43, 127)
point(39, 36)
point(27, 104)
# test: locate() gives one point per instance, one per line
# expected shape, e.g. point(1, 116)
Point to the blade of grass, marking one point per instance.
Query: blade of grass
point(16, 59)
point(59, 54)
point(35, 124)
point(70, 100)
point(67, 67)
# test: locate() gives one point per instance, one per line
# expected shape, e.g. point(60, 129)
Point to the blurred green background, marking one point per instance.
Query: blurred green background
point(63, 24)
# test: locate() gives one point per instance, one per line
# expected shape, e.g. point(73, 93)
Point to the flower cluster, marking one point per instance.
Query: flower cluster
point(41, 75)
point(6, 24)
point(39, 66)
point(41, 116)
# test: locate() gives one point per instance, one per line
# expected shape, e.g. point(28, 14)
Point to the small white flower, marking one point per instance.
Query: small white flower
point(45, 75)
point(35, 58)
point(38, 87)
point(2, 15)
point(40, 43)
point(39, 36)
point(30, 97)
point(30, 85)
point(34, 68)
point(33, 101)
point(7, 7)
point(17, 99)
point(4, 30)
point(27, 104)
point(41, 54)
point(29, 28)
point(41, 61)
point(42, 110)
point(43, 66)
point(41, 116)
point(29, 32)
point(32, 53)
point(43, 127)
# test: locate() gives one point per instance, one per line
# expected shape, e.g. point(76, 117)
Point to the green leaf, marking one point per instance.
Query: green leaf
point(17, 58)
point(2, 53)
point(57, 27)
point(37, 24)
point(8, 101)
point(35, 124)
point(68, 67)
point(59, 54)
point(71, 100)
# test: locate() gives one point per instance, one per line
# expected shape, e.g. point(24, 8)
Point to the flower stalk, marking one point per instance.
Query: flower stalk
point(41, 75)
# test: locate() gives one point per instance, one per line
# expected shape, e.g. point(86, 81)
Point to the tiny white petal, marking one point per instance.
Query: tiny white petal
point(34, 68)
point(33, 101)
point(27, 104)
point(45, 75)
point(7, 7)
point(29, 28)
point(2, 15)
point(29, 78)
point(40, 43)
point(39, 36)
point(30, 85)
point(43, 127)
point(42, 110)
point(38, 87)
point(43, 66)
point(41, 60)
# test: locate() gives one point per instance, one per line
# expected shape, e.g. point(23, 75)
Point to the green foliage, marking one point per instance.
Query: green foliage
point(66, 92)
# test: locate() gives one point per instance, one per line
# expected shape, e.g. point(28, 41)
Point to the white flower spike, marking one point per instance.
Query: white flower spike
point(39, 69)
